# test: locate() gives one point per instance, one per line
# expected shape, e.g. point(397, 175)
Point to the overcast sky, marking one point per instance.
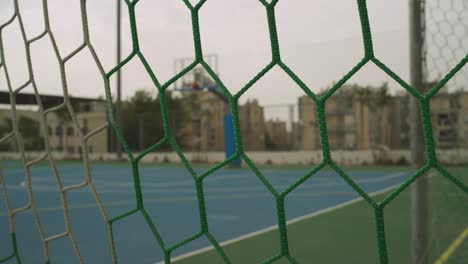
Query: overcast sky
point(320, 40)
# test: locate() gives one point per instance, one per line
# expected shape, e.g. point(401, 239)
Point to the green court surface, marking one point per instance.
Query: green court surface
point(347, 234)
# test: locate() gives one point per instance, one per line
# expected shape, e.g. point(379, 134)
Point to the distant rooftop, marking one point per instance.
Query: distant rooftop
point(47, 100)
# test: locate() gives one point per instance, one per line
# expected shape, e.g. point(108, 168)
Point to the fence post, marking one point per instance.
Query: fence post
point(419, 189)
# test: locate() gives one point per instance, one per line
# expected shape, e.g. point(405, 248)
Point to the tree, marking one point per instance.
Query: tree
point(383, 97)
point(28, 128)
point(270, 144)
point(4, 130)
point(142, 119)
point(376, 100)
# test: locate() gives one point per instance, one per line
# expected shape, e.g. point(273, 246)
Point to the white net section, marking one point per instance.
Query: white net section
point(446, 40)
point(15, 135)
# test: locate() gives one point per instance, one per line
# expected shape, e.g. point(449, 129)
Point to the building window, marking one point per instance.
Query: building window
point(349, 103)
point(448, 136)
point(59, 131)
point(84, 130)
point(213, 134)
point(454, 103)
point(86, 107)
point(90, 149)
point(441, 119)
point(70, 131)
point(70, 149)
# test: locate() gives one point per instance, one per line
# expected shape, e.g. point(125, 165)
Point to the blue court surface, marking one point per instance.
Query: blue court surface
point(237, 204)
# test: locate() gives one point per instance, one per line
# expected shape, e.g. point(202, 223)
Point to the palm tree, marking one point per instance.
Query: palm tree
point(28, 128)
point(383, 96)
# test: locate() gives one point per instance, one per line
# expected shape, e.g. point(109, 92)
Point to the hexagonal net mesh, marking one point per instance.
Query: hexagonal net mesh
point(440, 60)
point(446, 43)
point(446, 39)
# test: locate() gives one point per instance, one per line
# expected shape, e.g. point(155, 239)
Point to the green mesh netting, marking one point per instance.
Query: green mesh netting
point(279, 196)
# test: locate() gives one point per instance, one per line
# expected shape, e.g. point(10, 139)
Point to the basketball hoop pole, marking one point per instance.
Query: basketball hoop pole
point(229, 138)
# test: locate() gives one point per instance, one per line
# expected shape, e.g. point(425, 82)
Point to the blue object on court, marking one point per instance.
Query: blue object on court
point(229, 142)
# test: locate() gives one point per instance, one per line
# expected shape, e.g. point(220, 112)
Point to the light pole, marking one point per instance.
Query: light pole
point(118, 109)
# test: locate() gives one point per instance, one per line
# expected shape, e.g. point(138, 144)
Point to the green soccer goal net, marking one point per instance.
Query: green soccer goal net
point(446, 60)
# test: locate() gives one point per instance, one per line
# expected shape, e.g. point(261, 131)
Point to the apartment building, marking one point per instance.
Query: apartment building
point(400, 121)
point(310, 139)
point(63, 134)
point(252, 125)
point(356, 118)
point(449, 115)
point(277, 135)
point(204, 129)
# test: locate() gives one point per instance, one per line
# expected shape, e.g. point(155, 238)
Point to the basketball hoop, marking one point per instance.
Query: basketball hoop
point(193, 85)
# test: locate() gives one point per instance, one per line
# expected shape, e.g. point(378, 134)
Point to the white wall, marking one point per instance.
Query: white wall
point(352, 158)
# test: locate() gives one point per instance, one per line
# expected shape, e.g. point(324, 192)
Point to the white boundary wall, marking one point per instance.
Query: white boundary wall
point(350, 158)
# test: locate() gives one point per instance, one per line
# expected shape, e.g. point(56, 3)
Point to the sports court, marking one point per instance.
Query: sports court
point(374, 91)
point(237, 204)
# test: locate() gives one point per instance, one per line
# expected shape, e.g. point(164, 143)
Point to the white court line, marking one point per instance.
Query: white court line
point(271, 228)
point(163, 187)
point(208, 197)
point(253, 189)
point(105, 182)
point(282, 186)
point(184, 199)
